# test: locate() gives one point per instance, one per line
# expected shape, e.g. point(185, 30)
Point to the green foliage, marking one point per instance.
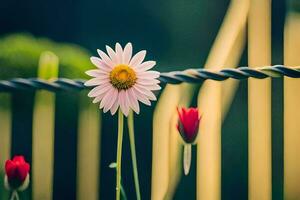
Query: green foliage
point(19, 57)
point(294, 5)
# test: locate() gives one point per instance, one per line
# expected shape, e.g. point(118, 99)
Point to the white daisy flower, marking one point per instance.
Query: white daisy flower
point(122, 80)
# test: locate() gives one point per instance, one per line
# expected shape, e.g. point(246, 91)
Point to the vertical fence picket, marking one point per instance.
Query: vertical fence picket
point(291, 109)
point(43, 131)
point(259, 102)
point(5, 137)
point(160, 149)
point(88, 149)
point(209, 144)
point(226, 51)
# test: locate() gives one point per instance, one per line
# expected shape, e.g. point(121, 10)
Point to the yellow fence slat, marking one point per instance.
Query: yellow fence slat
point(5, 137)
point(292, 109)
point(226, 51)
point(229, 86)
point(88, 149)
point(43, 131)
point(160, 149)
point(209, 144)
point(259, 102)
point(88, 152)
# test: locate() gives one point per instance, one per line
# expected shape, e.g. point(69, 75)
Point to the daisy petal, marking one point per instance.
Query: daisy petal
point(133, 101)
point(102, 76)
point(137, 59)
point(122, 102)
point(145, 66)
point(99, 90)
point(105, 101)
point(105, 58)
point(115, 106)
point(147, 81)
point(112, 100)
point(148, 74)
point(112, 55)
point(141, 97)
point(119, 53)
point(98, 98)
point(128, 100)
point(100, 64)
point(127, 104)
point(127, 53)
point(146, 92)
point(96, 73)
point(96, 81)
point(153, 87)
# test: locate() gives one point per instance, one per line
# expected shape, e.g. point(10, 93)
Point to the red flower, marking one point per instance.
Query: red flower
point(17, 172)
point(188, 124)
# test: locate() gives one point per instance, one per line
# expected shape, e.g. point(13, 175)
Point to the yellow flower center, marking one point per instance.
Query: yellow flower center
point(122, 77)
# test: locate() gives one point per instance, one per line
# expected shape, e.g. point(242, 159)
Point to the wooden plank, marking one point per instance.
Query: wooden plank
point(259, 102)
point(226, 51)
point(88, 149)
point(292, 109)
point(5, 135)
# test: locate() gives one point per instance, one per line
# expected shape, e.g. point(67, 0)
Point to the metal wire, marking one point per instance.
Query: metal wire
point(175, 77)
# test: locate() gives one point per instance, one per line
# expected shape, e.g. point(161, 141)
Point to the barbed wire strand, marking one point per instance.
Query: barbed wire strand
point(174, 77)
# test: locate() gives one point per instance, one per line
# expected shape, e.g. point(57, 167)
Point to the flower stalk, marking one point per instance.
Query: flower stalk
point(119, 153)
point(122, 190)
point(120, 82)
point(187, 158)
point(130, 122)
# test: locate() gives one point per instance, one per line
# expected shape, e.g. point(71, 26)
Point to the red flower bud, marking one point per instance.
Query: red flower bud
point(17, 173)
point(188, 123)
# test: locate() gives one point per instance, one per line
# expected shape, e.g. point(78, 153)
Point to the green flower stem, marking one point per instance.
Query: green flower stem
point(123, 193)
point(119, 153)
point(133, 155)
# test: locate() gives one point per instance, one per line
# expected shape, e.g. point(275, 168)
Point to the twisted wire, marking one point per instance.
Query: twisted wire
point(174, 77)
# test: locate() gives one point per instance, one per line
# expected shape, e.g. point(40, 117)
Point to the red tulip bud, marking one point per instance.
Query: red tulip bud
point(17, 173)
point(188, 123)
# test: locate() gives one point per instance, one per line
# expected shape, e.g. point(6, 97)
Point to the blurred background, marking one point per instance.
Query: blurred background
point(177, 34)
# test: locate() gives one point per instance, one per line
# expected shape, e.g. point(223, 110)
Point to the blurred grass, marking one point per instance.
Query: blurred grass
point(20, 52)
